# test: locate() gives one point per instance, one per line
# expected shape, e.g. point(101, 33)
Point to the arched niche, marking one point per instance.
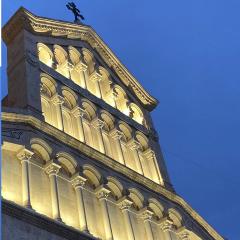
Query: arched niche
point(156, 207)
point(142, 139)
point(70, 98)
point(108, 120)
point(67, 162)
point(120, 99)
point(126, 130)
point(89, 108)
point(61, 57)
point(41, 150)
point(175, 216)
point(92, 175)
point(88, 58)
point(115, 186)
point(48, 85)
point(74, 55)
point(136, 197)
point(45, 54)
point(136, 113)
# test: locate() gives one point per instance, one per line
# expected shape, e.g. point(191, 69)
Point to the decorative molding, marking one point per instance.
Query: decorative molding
point(24, 155)
point(52, 168)
point(102, 193)
point(78, 182)
point(125, 204)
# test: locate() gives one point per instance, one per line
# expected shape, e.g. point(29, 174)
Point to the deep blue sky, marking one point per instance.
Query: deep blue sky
point(186, 54)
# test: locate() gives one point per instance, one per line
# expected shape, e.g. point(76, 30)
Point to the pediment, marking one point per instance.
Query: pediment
point(23, 19)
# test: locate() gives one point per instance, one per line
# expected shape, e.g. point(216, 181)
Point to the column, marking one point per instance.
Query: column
point(78, 114)
point(166, 225)
point(96, 78)
point(58, 100)
point(134, 146)
point(147, 216)
point(124, 205)
point(78, 183)
point(117, 135)
point(98, 124)
point(81, 68)
point(102, 195)
point(24, 156)
point(149, 154)
point(52, 170)
point(183, 233)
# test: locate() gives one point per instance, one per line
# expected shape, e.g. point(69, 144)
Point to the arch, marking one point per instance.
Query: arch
point(74, 55)
point(115, 186)
point(175, 216)
point(142, 139)
point(126, 129)
point(67, 162)
point(136, 197)
point(49, 85)
point(70, 97)
point(108, 120)
point(89, 108)
point(92, 175)
point(45, 54)
point(136, 113)
point(88, 58)
point(41, 149)
point(156, 207)
point(121, 99)
point(60, 54)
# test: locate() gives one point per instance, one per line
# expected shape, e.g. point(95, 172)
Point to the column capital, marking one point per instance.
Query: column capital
point(182, 233)
point(97, 123)
point(102, 192)
point(149, 153)
point(116, 134)
point(146, 214)
point(78, 182)
point(52, 168)
point(78, 111)
point(133, 144)
point(57, 99)
point(81, 67)
point(166, 224)
point(124, 204)
point(95, 77)
point(25, 155)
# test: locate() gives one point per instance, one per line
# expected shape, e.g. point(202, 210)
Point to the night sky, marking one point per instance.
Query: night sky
point(187, 55)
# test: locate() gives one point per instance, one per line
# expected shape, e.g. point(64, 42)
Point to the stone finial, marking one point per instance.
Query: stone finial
point(24, 155)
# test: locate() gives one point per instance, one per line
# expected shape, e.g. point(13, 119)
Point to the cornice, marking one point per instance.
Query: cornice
point(85, 149)
point(23, 19)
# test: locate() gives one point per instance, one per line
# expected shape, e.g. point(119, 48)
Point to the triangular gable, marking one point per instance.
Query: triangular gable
point(23, 19)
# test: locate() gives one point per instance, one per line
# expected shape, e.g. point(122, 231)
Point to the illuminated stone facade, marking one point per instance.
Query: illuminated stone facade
point(80, 156)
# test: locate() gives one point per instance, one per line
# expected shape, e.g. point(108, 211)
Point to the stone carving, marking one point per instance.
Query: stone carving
point(52, 169)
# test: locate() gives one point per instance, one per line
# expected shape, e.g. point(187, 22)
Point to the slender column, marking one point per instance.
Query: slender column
point(117, 135)
point(149, 154)
point(52, 170)
point(124, 205)
point(96, 78)
point(134, 146)
point(183, 233)
point(147, 216)
point(78, 183)
point(98, 124)
point(81, 68)
point(166, 225)
point(102, 195)
point(78, 114)
point(24, 156)
point(58, 100)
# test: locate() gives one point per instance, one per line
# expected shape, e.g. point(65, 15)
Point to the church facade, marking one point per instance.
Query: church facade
point(80, 155)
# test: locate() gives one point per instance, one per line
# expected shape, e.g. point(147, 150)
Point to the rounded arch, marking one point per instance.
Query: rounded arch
point(70, 97)
point(126, 130)
point(67, 162)
point(175, 216)
point(115, 186)
point(119, 90)
point(136, 113)
point(136, 197)
point(108, 120)
point(89, 108)
point(142, 139)
point(49, 85)
point(60, 54)
point(88, 58)
point(92, 174)
point(104, 72)
point(45, 54)
point(74, 55)
point(41, 149)
point(121, 99)
point(156, 207)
